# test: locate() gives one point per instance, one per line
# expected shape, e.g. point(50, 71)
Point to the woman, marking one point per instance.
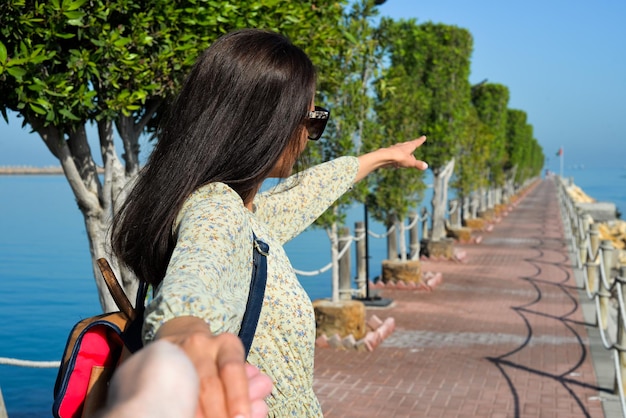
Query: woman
point(244, 114)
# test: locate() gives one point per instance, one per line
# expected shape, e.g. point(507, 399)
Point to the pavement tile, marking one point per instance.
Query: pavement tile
point(502, 335)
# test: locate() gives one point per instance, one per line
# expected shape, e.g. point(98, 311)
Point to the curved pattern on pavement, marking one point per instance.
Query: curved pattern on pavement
point(502, 336)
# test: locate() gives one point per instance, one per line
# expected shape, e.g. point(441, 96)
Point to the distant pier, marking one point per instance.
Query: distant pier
point(22, 170)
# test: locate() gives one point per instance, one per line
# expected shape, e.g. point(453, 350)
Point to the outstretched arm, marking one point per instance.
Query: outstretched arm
point(397, 156)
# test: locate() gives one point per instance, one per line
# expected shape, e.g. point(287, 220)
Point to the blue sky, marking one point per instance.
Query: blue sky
point(564, 63)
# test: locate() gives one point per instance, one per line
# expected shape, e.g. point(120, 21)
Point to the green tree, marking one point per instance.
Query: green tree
point(516, 133)
point(344, 88)
point(472, 158)
point(491, 103)
point(65, 64)
point(398, 107)
point(437, 59)
point(526, 155)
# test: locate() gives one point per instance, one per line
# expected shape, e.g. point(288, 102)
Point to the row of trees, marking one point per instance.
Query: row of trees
point(69, 64)
point(402, 80)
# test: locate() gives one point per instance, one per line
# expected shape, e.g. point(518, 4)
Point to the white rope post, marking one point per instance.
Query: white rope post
point(605, 281)
point(414, 242)
point(334, 260)
point(402, 239)
point(621, 334)
point(345, 241)
point(392, 239)
point(425, 234)
point(455, 218)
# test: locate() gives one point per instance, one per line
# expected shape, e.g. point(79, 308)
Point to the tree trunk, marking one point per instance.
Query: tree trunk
point(482, 196)
point(440, 197)
point(97, 199)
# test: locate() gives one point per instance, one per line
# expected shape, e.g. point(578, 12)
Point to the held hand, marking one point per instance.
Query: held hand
point(259, 387)
point(228, 387)
point(160, 381)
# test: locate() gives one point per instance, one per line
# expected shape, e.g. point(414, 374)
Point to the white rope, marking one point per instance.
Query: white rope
point(314, 272)
point(29, 363)
point(384, 235)
point(412, 224)
point(350, 239)
point(581, 241)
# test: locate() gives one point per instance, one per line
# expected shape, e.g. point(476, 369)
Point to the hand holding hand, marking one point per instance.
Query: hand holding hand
point(161, 380)
point(228, 386)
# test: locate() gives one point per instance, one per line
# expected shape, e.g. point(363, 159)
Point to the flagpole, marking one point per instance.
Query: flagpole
point(561, 159)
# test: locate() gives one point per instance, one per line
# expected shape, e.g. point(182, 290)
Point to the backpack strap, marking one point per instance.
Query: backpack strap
point(250, 316)
point(122, 302)
point(256, 295)
point(132, 331)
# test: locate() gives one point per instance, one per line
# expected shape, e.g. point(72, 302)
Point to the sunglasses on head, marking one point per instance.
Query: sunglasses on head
point(316, 122)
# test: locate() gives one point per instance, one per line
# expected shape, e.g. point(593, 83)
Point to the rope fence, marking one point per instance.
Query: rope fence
point(603, 280)
point(29, 363)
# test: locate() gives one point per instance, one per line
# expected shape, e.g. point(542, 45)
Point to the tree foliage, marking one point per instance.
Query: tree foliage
point(436, 61)
point(491, 103)
point(526, 155)
point(439, 63)
point(65, 64)
point(68, 64)
point(472, 157)
point(398, 106)
point(345, 89)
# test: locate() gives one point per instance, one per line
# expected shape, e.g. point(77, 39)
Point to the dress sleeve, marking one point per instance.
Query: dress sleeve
point(209, 273)
point(290, 207)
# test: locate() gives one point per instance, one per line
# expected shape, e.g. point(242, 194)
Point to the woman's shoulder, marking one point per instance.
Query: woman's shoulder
point(211, 200)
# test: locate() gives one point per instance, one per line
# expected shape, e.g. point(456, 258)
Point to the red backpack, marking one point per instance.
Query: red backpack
point(95, 347)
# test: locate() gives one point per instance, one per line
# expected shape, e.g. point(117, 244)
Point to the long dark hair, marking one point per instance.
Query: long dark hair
point(242, 106)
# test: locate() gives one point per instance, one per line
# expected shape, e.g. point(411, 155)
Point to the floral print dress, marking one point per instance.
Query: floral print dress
point(210, 270)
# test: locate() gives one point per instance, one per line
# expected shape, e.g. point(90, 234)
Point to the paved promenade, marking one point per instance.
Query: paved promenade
point(504, 335)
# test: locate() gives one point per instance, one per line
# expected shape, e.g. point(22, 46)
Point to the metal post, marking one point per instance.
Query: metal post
point(370, 299)
point(361, 259)
point(367, 254)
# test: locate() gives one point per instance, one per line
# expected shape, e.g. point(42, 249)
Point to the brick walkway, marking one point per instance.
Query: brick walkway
point(502, 336)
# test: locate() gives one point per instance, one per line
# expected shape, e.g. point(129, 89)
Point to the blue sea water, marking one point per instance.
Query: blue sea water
point(46, 282)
